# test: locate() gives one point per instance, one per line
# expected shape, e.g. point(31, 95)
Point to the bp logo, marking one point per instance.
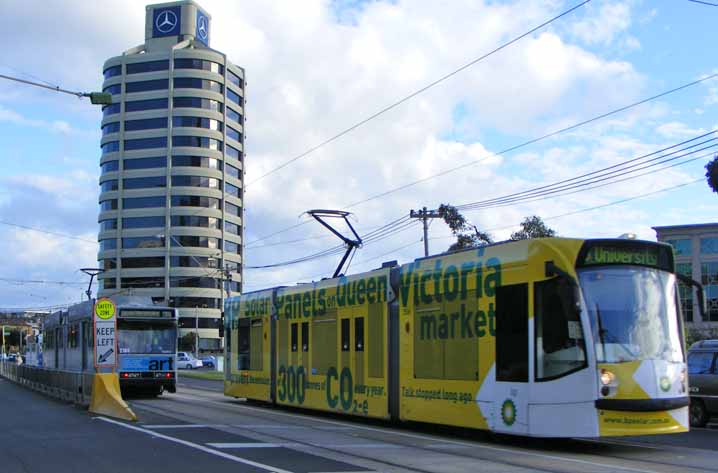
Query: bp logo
point(665, 384)
point(508, 412)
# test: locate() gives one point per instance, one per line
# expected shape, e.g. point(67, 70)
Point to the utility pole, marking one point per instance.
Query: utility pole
point(425, 215)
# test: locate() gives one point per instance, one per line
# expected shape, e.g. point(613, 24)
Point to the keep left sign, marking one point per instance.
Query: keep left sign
point(105, 329)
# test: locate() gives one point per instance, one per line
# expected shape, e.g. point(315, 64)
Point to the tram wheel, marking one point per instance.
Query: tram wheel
point(697, 413)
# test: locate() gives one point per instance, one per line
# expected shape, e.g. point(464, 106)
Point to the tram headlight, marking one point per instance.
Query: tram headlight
point(683, 376)
point(607, 377)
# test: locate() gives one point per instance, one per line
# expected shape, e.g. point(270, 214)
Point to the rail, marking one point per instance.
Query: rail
point(72, 386)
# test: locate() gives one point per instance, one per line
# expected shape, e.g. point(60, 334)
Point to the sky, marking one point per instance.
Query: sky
point(316, 68)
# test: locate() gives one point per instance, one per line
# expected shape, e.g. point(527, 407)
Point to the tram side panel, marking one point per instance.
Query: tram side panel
point(249, 349)
point(332, 339)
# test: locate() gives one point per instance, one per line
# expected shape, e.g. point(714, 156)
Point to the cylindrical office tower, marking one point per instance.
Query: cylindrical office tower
point(171, 182)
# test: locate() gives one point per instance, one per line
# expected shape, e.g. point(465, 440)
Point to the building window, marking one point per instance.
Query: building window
point(197, 122)
point(114, 89)
point(681, 247)
point(193, 262)
point(108, 244)
point(234, 97)
point(141, 105)
point(232, 228)
point(234, 78)
point(197, 142)
point(709, 279)
point(233, 171)
point(108, 186)
point(208, 322)
point(144, 163)
point(146, 262)
point(196, 181)
point(231, 190)
point(232, 209)
point(181, 241)
point(112, 71)
point(202, 64)
point(197, 161)
point(147, 283)
point(109, 166)
point(108, 263)
point(144, 202)
point(194, 201)
point(233, 152)
point(110, 147)
point(198, 282)
point(146, 85)
point(231, 247)
point(232, 115)
point(109, 283)
point(234, 134)
point(200, 302)
point(194, 83)
point(195, 221)
point(143, 242)
point(144, 182)
point(146, 143)
point(109, 204)
point(196, 102)
point(151, 66)
point(146, 124)
point(685, 293)
point(110, 109)
point(709, 246)
point(109, 224)
point(108, 128)
point(143, 222)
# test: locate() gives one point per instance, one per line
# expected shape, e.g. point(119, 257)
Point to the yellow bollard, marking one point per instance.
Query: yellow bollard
point(106, 398)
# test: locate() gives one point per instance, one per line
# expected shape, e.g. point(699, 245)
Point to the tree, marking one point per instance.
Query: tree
point(533, 227)
point(467, 235)
point(187, 342)
point(712, 174)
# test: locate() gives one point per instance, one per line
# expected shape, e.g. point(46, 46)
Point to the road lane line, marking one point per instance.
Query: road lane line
point(231, 404)
point(251, 445)
point(195, 446)
point(182, 426)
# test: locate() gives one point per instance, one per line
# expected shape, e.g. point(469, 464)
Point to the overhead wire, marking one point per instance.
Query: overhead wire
point(418, 92)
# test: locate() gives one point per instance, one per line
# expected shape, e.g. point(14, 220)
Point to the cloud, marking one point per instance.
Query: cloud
point(677, 130)
point(612, 19)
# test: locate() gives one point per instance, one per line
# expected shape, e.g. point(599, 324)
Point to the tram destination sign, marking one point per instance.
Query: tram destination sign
point(104, 324)
point(612, 252)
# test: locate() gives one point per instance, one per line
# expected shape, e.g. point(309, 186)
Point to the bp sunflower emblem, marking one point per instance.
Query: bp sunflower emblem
point(508, 412)
point(665, 383)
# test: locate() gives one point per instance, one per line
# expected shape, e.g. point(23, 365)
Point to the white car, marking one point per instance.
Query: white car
point(187, 361)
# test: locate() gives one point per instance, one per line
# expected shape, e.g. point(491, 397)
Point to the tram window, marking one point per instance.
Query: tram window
point(256, 345)
point(345, 335)
point(559, 341)
point(243, 344)
point(294, 336)
point(72, 337)
point(324, 336)
point(375, 337)
point(359, 334)
point(305, 336)
point(512, 333)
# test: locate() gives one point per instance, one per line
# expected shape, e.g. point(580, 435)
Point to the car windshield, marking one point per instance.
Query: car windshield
point(137, 337)
point(633, 313)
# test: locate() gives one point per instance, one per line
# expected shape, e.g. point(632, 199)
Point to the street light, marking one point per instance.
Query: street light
point(92, 272)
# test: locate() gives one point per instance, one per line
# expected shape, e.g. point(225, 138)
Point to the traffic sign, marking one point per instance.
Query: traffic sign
point(105, 330)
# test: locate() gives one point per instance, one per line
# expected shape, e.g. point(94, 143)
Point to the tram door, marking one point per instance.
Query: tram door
point(351, 368)
point(511, 393)
point(299, 341)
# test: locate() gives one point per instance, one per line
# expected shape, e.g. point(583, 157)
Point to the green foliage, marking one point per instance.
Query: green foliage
point(467, 235)
point(186, 343)
point(712, 174)
point(533, 227)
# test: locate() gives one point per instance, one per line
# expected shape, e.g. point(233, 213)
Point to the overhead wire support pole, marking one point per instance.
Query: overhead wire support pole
point(425, 215)
point(350, 244)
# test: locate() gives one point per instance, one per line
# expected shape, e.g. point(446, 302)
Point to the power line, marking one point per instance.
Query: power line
point(704, 3)
point(417, 92)
point(39, 281)
point(529, 142)
point(34, 229)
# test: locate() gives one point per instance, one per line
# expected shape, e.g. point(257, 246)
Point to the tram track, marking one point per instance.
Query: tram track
point(548, 462)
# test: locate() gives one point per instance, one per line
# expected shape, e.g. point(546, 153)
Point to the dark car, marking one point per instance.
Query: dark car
point(703, 381)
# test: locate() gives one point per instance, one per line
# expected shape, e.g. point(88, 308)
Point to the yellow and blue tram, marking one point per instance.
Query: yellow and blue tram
point(548, 337)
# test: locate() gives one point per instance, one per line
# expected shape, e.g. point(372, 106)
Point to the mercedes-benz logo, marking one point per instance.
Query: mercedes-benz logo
point(202, 27)
point(166, 21)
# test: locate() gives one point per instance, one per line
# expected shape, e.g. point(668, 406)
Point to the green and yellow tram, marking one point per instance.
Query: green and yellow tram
point(548, 337)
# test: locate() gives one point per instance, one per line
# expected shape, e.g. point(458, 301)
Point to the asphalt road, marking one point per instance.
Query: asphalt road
point(199, 430)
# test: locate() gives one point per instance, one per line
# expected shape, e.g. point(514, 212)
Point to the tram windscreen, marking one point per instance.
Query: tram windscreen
point(143, 337)
point(633, 313)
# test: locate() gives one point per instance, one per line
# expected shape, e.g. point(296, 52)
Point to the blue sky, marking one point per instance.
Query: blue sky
point(316, 68)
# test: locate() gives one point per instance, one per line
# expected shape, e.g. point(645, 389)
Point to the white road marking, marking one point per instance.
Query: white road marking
point(608, 466)
point(250, 445)
point(182, 426)
point(196, 446)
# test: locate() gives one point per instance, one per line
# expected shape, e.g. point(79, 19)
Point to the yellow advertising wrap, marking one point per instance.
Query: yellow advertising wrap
point(621, 423)
point(107, 399)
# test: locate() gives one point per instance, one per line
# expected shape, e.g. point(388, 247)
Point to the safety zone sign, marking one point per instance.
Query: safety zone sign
point(105, 328)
